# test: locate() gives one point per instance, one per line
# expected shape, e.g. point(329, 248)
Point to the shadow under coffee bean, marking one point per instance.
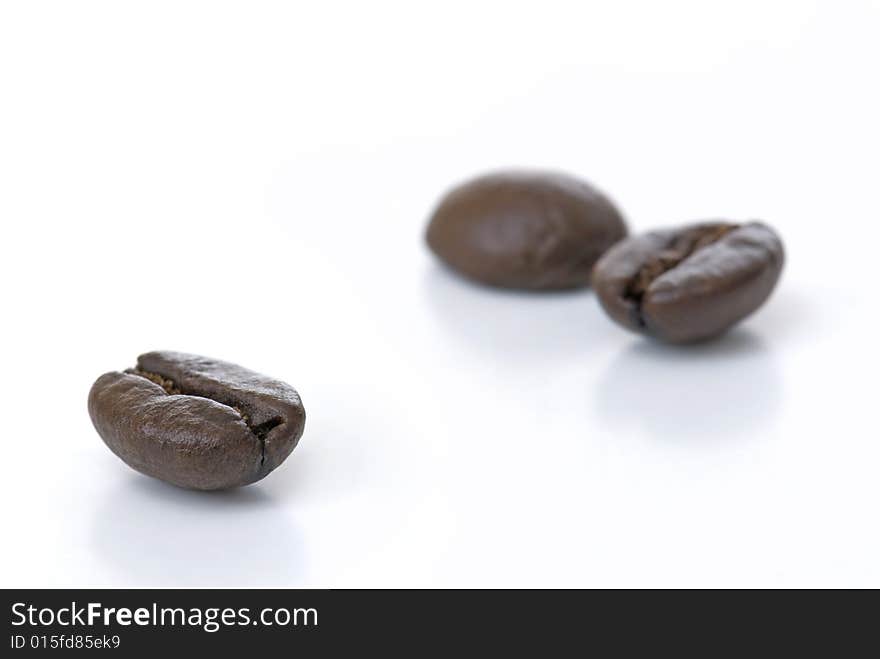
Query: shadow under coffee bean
point(701, 396)
point(196, 422)
point(155, 535)
point(690, 283)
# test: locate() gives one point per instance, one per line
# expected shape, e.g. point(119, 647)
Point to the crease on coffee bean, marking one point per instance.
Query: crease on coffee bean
point(679, 248)
point(260, 431)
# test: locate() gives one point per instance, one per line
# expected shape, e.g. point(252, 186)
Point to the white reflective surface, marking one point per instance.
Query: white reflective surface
point(256, 190)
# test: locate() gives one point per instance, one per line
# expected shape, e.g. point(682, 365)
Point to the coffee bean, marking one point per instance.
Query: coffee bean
point(524, 229)
point(690, 283)
point(196, 422)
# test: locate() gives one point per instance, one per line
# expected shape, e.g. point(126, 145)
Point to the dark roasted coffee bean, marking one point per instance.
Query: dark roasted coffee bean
point(690, 283)
point(525, 229)
point(196, 422)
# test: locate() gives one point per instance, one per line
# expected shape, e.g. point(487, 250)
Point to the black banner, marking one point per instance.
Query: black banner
point(135, 622)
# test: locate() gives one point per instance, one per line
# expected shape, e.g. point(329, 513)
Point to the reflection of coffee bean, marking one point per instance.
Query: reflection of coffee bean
point(196, 422)
point(690, 283)
point(525, 229)
point(686, 395)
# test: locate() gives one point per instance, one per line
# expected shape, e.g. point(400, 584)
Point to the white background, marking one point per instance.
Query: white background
point(251, 181)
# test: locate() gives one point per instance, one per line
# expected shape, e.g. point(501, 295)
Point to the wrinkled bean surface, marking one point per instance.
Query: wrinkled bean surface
point(196, 422)
point(690, 283)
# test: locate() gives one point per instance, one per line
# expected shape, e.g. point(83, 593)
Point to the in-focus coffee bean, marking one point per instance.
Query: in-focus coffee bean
point(524, 229)
point(196, 422)
point(690, 283)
